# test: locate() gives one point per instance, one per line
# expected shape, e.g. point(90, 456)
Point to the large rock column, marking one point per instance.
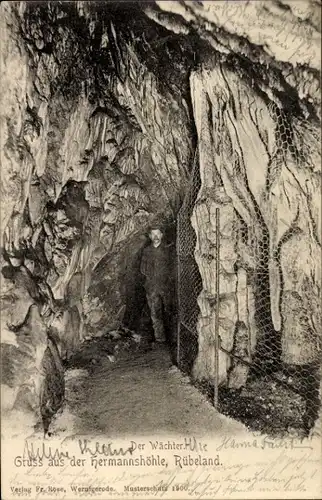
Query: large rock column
point(253, 168)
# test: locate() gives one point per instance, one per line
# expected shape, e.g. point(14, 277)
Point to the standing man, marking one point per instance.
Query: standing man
point(155, 267)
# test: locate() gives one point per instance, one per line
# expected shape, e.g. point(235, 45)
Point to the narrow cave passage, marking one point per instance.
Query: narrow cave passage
point(123, 383)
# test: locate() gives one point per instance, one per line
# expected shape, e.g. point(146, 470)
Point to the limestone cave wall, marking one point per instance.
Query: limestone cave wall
point(256, 103)
point(95, 147)
point(261, 168)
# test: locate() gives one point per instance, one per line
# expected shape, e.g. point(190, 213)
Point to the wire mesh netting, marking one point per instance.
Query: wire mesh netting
point(273, 376)
point(273, 367)
point(189, 283)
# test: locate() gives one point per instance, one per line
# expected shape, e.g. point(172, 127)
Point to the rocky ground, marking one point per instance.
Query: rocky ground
point(135, 391)
point(267, 407)
point(120, 385)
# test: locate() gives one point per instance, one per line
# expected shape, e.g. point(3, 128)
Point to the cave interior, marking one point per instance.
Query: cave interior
point(108, 106)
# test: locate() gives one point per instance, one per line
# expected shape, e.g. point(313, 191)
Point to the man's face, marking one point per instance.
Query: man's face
point(156, 237)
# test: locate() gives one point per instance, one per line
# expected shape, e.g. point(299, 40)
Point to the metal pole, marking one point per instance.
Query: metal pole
point(216, 353)
point(178, 290)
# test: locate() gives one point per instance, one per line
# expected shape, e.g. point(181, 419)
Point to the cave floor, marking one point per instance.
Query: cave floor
point(140, 394)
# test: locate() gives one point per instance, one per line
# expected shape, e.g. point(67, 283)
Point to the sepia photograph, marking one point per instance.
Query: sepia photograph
point(160, 249)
